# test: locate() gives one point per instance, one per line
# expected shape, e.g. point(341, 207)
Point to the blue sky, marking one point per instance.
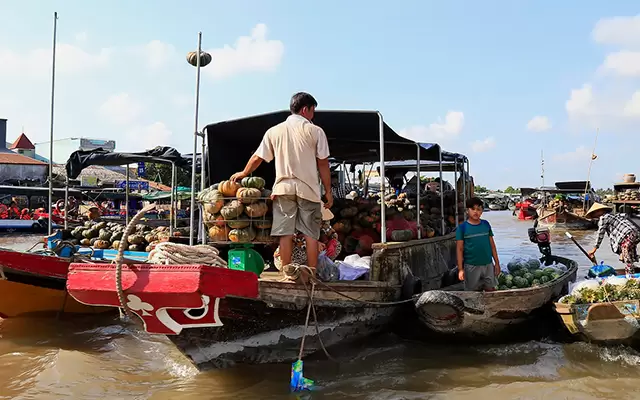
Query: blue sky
point(468, 74)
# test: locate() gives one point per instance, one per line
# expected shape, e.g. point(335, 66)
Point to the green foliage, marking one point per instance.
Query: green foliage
point(480, 189)
point(161, 173)
point(604, 192)
point(512, 190)
point(607, 292)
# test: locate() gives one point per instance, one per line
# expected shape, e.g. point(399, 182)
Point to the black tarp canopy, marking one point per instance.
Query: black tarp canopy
point(353, 136)
point(81, 159)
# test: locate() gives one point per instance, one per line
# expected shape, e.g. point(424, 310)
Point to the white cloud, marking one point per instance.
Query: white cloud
point(148, 137)
point(480, 146)
point(580, 101)
point(82, 37)
point(437, 132)
point(70, 59)
point(623, 31)
point(183, 101)
point(632, 108)
point(248, 54)
point(539, 123)
point(121, 109)
point(579, 155)
point(623, 63)
point(157, 53)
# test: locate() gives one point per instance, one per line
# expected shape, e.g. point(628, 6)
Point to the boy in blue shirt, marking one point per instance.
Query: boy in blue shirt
point(477, 257)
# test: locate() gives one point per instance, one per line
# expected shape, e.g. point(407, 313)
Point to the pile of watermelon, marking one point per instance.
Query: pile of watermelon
point(528, 273)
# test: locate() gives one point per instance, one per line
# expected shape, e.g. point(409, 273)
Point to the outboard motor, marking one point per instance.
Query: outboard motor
point(541, 237)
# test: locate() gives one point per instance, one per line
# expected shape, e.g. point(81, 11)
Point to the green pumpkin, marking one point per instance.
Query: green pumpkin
point(253, 182)
point(117, 235)
point(100, 225)
point(104, 235)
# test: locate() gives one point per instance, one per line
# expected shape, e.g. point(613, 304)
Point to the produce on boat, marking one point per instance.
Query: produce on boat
point(603, 310)
point(107, 235)
point(523, 273)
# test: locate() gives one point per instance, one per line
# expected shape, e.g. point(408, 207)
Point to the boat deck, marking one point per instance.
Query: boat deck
point(279, 277)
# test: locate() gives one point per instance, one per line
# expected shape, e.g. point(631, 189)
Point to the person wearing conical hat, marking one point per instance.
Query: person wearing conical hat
point(624, 235)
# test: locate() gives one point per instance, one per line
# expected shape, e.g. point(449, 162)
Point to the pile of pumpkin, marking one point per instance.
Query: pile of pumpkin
point(107, 235)
point(239, 212)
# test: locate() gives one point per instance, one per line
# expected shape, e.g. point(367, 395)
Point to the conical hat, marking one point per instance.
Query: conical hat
point(327, 215)
point(597, 207)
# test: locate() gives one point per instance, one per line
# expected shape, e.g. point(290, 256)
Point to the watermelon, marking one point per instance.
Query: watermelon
point(502, 279)
point(555, 275)
point(508, 280)
point(502, 287)
point(516, 265)
point(519, 272)
point(549, 270)
point(535, 282)
point(537, 274)
point(544, 279)
point(533, 264)
point(528, 276)
point(520, 282)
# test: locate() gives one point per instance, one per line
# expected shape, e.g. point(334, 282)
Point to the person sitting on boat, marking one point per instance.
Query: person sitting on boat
point(624, 235)
point(301, 153)
point(328, 242)
point(93, 214)
point(477, 257)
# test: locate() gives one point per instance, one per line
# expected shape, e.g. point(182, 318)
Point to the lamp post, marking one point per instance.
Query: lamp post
point(53, 86)
point(198, 59)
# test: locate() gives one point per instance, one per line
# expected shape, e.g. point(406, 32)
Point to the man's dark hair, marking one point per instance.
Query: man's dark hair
point(301, 100)
point(474, 201)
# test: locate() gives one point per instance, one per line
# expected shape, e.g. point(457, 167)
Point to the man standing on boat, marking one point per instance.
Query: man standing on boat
point(624, 235)
point(301, 152)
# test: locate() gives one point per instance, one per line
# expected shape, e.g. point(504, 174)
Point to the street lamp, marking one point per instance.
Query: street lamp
point(198, 59)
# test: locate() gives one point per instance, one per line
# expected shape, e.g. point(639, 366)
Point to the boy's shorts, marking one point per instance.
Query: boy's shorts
point(479, 277)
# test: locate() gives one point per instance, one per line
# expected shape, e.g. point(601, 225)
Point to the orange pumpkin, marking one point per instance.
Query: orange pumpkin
point(229, 188)
point(218, 233)
point(248, 195)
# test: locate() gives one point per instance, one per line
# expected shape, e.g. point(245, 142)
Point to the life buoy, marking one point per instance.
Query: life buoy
point(441, 311)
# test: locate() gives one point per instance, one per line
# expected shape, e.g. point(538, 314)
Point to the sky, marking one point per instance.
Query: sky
point(500, 81)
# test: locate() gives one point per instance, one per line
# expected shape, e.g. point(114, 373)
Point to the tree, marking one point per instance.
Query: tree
point(480, 189)
point(161, 173)
point(604, 192)
point(512, 190)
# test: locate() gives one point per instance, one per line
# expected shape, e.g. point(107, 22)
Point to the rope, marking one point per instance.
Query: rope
point(293, 271)
point(3, 277)
point(306, 323)
point(176, 253)
point(119, 257)
point(316, 323)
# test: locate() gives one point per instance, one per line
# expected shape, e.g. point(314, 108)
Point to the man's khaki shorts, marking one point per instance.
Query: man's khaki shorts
point(291, 213)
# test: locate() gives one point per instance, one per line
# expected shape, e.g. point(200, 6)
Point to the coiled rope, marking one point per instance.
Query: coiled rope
point(119, 257)
point(176, 253)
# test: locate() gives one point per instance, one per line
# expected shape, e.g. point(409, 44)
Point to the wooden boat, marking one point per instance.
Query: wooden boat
point(266, 326)
point(567, 213)
point(34, 284)
point(455, 311)
point(616, 322)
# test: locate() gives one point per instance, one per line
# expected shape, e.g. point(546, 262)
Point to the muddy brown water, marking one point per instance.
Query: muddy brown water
point(98, 358)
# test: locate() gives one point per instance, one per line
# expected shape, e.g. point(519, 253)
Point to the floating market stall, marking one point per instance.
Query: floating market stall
point(564, 205)
point(81, 159)
point(221, 318)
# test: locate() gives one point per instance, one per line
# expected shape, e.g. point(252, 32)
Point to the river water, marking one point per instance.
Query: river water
point(98, 358)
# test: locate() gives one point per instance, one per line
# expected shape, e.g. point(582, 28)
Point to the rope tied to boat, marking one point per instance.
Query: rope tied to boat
point(293, 271)
point(120, 256)
point(175, 253)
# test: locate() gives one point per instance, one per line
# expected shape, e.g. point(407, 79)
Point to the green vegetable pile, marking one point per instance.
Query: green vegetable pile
point(527, 273)
point(605, 293)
